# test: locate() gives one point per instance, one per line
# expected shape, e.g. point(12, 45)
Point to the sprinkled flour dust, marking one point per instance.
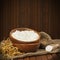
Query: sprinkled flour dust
point(26, 36)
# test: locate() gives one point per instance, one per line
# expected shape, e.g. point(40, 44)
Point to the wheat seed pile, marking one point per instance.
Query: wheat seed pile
point(7, 48)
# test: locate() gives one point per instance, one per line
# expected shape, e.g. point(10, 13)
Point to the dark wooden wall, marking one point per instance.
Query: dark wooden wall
point(41, 15)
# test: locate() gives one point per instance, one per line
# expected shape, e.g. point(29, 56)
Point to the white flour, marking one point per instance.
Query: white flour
point(26, 36)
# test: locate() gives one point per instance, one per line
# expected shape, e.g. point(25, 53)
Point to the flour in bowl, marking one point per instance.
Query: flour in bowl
point(26, 36)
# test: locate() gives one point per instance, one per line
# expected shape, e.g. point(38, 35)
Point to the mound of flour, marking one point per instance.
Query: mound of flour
point(26, 36)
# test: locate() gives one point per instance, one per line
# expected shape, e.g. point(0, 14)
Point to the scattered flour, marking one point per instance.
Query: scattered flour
point(26, 36)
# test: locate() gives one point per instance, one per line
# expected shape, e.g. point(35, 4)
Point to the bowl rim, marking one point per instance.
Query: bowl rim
point(22, 29)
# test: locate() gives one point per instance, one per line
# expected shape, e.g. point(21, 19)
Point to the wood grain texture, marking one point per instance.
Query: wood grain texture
point(38, 58)
point(27, 58)
point(55, 57)
point(44, 57)
point(41, 15)
point(32, 58)
point(49, 57)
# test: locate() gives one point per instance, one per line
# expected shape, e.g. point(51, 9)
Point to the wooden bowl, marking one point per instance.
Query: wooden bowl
point(25, 46)
point(20, 41)
point(32, 47)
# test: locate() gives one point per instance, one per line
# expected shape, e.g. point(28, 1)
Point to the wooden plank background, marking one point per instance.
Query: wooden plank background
point(41, 15)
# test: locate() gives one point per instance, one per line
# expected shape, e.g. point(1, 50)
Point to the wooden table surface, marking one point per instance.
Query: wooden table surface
point(42, 57)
